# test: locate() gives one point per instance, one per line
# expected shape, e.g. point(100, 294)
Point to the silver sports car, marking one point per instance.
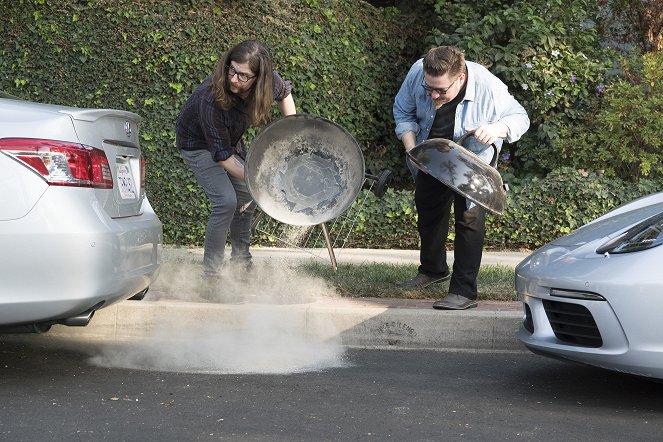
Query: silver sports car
point(595, 296)
point(77, 232)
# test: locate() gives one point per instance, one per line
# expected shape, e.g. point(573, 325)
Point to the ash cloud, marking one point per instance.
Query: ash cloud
point(257, 326)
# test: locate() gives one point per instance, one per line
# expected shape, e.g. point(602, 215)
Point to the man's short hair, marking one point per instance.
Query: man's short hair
point(444, 59)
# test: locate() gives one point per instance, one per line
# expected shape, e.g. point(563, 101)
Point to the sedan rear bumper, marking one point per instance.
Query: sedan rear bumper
point(67, 256)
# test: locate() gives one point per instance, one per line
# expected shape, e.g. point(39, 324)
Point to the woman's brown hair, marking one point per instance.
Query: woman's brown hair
point(259, 101)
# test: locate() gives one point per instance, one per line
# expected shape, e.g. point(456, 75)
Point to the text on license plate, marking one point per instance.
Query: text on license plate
point(125, 182)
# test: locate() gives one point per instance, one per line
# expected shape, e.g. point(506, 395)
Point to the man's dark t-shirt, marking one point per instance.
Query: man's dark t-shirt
point(445, 118)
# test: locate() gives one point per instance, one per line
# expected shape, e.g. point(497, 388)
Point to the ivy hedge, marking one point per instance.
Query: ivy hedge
point(345, 58)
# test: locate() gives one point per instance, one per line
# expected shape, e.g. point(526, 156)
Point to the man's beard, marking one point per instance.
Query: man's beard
point(439, 102)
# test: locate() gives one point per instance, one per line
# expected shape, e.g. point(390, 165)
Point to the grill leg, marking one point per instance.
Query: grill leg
point(330, 249)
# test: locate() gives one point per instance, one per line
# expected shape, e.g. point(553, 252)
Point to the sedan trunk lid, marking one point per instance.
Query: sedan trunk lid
point(116, 133)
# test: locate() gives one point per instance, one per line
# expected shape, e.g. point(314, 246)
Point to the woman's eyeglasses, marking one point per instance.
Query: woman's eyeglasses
point(241, 76)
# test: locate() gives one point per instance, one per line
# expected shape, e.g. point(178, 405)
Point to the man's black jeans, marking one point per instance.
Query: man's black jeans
point(433, 200)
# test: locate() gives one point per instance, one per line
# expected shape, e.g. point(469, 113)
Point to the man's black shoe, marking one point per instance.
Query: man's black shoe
point(454, 302)
point(422, 281)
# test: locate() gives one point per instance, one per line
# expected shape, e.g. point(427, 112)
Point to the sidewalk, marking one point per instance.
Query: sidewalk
point(343, 255)
point(359, 322)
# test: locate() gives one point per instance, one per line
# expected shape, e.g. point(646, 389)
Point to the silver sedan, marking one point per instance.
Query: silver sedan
point(595, 296)
point(77, 232)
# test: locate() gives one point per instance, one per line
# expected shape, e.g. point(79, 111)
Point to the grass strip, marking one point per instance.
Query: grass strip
point(378, 280)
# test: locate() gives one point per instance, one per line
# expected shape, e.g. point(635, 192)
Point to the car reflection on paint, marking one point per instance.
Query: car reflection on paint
point(595, 296)
point(77, 232)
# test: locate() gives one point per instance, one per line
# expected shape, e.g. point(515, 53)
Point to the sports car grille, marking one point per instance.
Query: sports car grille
point(573, 323)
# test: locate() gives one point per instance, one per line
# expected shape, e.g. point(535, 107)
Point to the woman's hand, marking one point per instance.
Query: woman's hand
point(234, 165)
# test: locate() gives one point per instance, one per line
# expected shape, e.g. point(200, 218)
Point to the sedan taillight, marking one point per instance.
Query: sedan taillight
point(61, 163)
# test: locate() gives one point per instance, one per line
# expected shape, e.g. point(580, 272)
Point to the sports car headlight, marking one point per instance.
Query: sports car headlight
point(642, 236)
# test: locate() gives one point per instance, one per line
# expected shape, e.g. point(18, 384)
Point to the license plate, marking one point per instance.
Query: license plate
point(125, 182)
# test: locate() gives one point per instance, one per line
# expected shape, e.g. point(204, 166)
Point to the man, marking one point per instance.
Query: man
point(444, 96)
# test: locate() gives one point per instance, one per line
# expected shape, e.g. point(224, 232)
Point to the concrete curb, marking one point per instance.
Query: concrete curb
point(350, 325)
point(375, 323)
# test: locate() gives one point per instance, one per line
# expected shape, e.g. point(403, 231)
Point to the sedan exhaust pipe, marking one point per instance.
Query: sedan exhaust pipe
point(79, 320)
point(82, 319)
point(140, 295)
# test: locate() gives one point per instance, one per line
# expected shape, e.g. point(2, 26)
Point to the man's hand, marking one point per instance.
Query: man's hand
point(489, 133)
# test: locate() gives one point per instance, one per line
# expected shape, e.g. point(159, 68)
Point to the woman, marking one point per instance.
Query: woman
point(209, 129)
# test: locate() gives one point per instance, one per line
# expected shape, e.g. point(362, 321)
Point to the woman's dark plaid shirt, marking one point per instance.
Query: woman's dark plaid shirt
point(201, 125)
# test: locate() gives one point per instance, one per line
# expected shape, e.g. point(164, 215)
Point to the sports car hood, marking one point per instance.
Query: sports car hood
point(613, 223)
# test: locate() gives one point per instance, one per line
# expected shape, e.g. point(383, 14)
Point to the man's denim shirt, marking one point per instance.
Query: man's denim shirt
point(487, 100)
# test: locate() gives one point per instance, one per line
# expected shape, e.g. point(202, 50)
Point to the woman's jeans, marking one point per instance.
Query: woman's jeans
point(227, 196)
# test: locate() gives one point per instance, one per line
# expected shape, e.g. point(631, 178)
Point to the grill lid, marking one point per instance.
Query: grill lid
point(462, 170)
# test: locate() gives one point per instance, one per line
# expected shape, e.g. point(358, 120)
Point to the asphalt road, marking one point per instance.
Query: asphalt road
point(51, 390)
